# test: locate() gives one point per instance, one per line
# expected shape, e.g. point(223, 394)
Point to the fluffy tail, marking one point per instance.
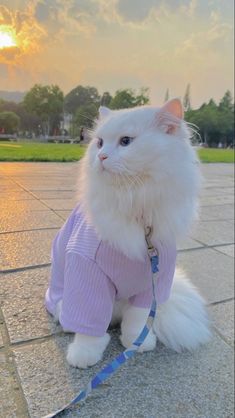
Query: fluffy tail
point(182, 322)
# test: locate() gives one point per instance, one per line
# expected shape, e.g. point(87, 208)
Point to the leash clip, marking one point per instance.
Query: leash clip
point(152, 251)
point(148, 236)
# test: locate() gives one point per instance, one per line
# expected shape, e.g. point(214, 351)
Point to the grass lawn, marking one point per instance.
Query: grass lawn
point(215, 155)
point(28, 151)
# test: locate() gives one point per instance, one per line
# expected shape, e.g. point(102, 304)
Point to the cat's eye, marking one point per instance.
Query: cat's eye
point(125, 140)
point(100, 143)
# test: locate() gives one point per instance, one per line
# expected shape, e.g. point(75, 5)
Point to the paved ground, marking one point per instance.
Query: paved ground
point(35, 199)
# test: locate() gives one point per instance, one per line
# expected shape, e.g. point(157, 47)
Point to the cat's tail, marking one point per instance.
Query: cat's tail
point(182, 322)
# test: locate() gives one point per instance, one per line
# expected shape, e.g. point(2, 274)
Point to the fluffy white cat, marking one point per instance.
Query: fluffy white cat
point(140, 170)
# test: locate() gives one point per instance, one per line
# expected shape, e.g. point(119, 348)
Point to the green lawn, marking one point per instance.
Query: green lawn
point(215, 155)
point(28, 151)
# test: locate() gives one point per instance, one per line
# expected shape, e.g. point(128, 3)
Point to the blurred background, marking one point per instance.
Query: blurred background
point(59, 61)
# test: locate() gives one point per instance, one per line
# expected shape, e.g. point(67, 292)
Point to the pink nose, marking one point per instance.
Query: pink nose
point(102, 156)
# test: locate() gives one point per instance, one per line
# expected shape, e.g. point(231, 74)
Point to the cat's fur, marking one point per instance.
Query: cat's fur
point(153, 181)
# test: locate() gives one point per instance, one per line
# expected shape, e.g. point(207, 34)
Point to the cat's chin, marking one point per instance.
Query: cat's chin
point(102, 169)
point(108, 176)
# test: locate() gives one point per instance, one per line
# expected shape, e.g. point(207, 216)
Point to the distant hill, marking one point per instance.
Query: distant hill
point(12, 96)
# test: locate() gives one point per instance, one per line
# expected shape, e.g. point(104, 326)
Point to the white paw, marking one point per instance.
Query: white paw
point(134, 320)
point(86, 351)
point(148, 345)
point(81, 357)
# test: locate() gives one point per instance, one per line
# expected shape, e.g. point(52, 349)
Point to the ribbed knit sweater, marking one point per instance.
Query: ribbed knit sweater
point(88, 275)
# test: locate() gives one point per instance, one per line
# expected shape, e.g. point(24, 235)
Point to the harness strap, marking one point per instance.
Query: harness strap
point(108, 370)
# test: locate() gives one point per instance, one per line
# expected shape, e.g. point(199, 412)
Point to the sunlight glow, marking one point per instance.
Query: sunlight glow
point(7, 37)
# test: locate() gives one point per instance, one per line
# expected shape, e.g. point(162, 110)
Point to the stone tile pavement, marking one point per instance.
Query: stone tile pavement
point(35, 199)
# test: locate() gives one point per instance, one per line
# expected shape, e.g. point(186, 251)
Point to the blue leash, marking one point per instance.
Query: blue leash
point(108, 370)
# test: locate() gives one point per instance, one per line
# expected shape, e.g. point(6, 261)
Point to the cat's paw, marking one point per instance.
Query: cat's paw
point(81, 357)
point(134, 320)
point(148, 345)
point(86, 351)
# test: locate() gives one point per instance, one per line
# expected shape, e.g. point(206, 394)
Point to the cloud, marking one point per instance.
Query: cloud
point(135, 10)
point(59, 17)
point(25, 29)
point(140, 12)
point(45, 11)
point(211, 40)
point(89, 8)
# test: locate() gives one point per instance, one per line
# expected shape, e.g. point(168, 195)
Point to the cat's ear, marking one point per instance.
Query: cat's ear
point(104, 112)
point(170, 115)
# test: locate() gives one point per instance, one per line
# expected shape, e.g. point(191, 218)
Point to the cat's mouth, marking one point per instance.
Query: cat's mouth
point(104, 169)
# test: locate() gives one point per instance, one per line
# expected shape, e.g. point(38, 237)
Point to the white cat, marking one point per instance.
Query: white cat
point(139, 170)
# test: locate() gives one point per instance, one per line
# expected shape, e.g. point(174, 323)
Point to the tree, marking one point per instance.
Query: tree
point(81, 96)
point(9, 122)
point(226, 103)
point(143, 97)
point(47, 103)
point(28, 121)
point(166, 96)
point(127, 98)
point(187, 100)
point(106, 99)
point(85, 115)
point(226, 118)
point(8, 106)
point(217, 122)
point(206, 120)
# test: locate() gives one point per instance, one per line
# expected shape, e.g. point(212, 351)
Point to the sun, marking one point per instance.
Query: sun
point(7, 37)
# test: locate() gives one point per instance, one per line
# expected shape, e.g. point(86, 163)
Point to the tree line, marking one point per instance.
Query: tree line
point(46, 111)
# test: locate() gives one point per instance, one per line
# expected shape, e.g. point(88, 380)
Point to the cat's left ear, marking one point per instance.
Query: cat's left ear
point(104, 112)
point(170, 115)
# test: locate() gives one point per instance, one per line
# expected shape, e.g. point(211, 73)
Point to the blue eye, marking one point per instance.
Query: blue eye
point(100, 143)
point(125, 140)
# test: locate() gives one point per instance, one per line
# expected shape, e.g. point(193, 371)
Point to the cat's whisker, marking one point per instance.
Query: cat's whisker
point(123, 186)
point(137, 184)
point(120, 191)
point(137, 181)
point(194, 131)
point(127, 185)
point(134, 178)
point(131, 183)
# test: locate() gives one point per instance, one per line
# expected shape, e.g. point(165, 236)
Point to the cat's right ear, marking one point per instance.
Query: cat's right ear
point(170, 115)
point(104, 112)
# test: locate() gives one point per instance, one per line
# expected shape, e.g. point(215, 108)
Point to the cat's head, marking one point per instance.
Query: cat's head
point(138, 142)
point(140, 165)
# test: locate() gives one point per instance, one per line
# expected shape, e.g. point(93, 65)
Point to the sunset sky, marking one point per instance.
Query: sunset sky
point(112, 44)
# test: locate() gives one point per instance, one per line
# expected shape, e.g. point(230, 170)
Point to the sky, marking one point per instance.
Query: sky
point(114, 44)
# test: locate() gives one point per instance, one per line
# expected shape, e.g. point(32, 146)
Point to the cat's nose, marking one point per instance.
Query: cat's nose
point(102, 156)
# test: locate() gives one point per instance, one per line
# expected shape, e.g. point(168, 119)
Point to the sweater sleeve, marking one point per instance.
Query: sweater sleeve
point(55, 290)
point(88, 297)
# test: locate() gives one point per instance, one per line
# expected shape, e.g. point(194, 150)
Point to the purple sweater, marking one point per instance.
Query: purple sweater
point(88, 275)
